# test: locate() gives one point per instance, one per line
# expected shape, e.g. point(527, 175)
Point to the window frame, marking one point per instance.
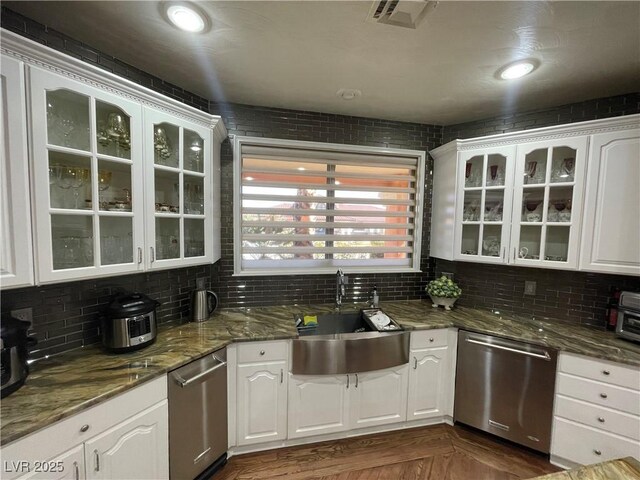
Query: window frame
point(420, 157)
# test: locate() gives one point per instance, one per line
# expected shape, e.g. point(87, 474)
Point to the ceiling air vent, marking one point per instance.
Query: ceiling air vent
point(401, 13)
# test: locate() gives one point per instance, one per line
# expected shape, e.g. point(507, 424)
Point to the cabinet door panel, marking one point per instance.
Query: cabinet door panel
point(137, 448)
point(68, 466)
point(88, 179)
point(380, 397)
point(262, 403)
point(317, 405)
point(610, 240)
point(16, 254)
point(428, 383)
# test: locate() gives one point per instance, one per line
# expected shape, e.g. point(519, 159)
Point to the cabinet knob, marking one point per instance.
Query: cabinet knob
point(601, 420)
point(84, 428)
point(431, 339)
point(606, 372)
point(261, 352)
point(603, 395)
point(597, 452)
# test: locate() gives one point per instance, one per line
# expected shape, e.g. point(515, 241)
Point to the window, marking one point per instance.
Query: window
point(305, 207)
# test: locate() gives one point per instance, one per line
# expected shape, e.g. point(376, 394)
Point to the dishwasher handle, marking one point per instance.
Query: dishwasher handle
point(544, 356)
point(185, 382)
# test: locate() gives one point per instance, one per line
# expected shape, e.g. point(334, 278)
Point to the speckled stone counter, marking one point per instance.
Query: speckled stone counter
point(621, 469)
point(71, 382)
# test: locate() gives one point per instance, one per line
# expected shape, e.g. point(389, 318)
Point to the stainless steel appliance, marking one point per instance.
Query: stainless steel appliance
point(198, 417)
point(130, 322)
point(506, 388)
point(628, 326)
point(203, 304)
point(14, 344)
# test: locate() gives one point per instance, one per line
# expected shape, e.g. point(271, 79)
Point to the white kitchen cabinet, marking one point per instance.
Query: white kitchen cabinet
point(379, 397)
point(612, 199)
point(136, 448)
point(318, 404)
point(123, 179)
point(539, 215)
point(261, 382)
point(432, 373)
point(596, 411)
point(129, 433)
point(16, 254)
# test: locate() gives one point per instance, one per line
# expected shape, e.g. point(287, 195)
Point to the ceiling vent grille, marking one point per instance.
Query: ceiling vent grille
point(401, 13)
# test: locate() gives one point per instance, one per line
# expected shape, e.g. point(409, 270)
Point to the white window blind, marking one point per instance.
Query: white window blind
point(304, 207)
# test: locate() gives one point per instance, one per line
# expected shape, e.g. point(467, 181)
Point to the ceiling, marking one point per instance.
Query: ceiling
point(298, 54)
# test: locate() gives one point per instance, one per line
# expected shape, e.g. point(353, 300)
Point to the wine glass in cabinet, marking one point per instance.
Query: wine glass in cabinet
point(88, 176)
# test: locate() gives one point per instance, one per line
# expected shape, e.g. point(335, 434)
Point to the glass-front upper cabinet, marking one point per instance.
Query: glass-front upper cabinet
point(548, 194)
point(179, 193)
point(484, 204)
point(88, 176)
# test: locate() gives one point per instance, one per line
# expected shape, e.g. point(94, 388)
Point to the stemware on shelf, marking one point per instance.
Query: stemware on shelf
point(79, 177)
point(161, 145)
point(104, 182)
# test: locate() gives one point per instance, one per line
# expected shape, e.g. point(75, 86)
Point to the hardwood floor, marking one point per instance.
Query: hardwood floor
point(438, 452)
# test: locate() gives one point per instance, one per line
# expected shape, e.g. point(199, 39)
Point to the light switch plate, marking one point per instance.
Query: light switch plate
point(449, 275)
point(24, 314)
point(529, 288)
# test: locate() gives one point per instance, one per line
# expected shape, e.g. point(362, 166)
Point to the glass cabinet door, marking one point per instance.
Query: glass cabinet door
point(547, 199)
point(484, 205)
point(88, 175)
point(180, 200)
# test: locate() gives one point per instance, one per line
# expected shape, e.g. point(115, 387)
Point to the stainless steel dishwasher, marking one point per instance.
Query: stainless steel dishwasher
point(198, 417)
point(506, 388)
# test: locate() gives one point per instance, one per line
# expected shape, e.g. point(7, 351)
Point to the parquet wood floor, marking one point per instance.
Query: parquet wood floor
point(438, 452)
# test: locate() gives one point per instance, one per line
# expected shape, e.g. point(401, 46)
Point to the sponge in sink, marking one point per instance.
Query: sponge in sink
point(310, 320)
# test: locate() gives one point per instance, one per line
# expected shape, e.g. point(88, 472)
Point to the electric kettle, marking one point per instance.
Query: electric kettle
point(203, 304)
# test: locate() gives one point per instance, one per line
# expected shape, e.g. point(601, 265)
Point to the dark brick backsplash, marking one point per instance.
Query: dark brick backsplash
point(576, 296)
point(576, 112)
point(67, 315)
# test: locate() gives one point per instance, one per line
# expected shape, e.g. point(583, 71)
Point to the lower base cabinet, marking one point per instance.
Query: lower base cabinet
point(333, 403)
point(126, 437)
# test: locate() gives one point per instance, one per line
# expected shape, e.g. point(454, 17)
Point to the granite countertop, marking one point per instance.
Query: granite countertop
point(66, 384)
point(622, 468)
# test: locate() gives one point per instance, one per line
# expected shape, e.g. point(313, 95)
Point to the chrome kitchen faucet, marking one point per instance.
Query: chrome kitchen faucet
point(341, 281)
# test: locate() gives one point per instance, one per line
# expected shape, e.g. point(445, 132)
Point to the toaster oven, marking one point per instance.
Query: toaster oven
point(628, 326)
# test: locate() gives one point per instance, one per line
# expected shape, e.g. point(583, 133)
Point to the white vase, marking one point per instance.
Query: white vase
point(447, 303)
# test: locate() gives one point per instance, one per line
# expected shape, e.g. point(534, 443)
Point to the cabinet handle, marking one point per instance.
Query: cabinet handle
point(415, 363)
point(514, 254)
point(76, 471)
point(504, 253)
point(139, 254)
point(84, 428)
point(153, 254)
point(347, 382)
point(597, 452)
point(603, 395)
point(606, 372)
point(97, 457)
point(356, 380)
point(601, 420)
point(281, 375)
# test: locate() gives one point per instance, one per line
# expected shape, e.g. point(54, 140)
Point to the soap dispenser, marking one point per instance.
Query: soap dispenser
point(375, 299)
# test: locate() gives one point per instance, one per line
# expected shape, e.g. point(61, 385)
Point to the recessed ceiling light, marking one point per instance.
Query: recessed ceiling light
point(301, 168)
point(517, 69)
point(348, 93)
point(186, 17)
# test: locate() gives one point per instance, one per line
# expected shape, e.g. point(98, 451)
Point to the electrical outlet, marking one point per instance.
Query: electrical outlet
point(346, 280)
point(529, 288)
point(201, 283)
point(449, 275)
point(25, 314)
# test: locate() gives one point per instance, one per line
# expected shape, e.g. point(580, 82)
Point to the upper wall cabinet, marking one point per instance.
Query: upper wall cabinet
point(123, 179)
point(525, 199)
point(16, 257)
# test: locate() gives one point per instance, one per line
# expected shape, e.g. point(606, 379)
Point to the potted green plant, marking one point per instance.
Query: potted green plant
point(443, 291)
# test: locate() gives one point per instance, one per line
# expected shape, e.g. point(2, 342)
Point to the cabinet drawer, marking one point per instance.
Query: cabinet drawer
point(586, 445)
point(601, 371)
point(599, 393)
point(251, 352)
point(429, 338)
point(598, 417)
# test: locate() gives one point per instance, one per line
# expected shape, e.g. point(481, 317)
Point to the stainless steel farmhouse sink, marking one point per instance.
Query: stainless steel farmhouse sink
point(345, 343)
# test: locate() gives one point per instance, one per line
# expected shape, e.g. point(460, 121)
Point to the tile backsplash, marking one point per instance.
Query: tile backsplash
point(67, 315)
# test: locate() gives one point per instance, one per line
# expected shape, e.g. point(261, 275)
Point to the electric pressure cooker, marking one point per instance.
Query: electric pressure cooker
point(129, 322)
point(14, 344)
